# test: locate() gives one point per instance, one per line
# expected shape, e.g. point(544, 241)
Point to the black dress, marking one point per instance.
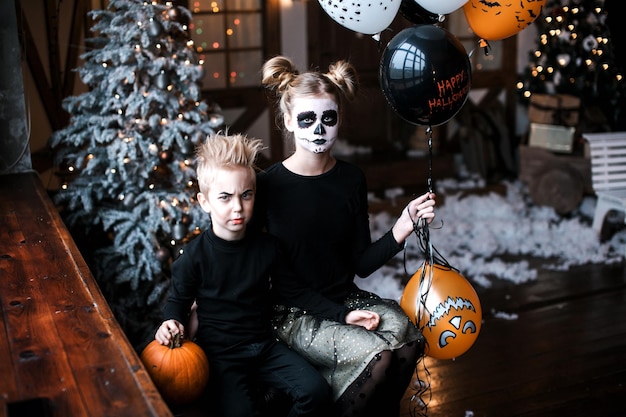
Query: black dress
point(322, 222)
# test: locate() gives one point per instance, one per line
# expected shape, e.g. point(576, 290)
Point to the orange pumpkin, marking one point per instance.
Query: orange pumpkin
point(446, 308)
point(180, 371)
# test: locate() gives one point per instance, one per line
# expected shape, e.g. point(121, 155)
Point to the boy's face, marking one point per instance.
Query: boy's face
point(230, 201)
point(314, 122)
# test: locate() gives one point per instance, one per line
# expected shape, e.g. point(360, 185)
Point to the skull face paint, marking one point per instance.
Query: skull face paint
point(314, 122)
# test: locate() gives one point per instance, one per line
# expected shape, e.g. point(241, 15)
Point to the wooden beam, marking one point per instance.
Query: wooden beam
point(71, 60)
point(36, 68)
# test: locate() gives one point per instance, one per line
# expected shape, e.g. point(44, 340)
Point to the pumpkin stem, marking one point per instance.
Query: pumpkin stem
point(176, 341)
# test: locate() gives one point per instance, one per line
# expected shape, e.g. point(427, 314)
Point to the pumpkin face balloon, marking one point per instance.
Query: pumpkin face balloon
point(495, 20)
point(446, 308)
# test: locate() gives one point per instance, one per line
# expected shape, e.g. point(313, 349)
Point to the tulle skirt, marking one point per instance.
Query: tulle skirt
point(341, 352)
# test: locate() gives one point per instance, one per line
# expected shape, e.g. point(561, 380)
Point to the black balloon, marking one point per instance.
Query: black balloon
point(416, 14)
point(425, 75)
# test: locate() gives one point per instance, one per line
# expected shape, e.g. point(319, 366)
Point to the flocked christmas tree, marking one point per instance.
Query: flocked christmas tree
point(574, 55)
point(126, 158)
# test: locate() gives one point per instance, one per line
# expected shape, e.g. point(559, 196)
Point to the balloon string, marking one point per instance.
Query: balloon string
point(429, 132)
point(426, 232)
point(421, 227)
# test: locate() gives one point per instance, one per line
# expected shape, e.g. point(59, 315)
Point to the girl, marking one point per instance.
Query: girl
point(317, 207)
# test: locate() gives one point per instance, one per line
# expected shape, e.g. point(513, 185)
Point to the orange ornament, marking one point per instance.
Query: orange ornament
point(495, 20)
point(446, 308)
point(180, 371)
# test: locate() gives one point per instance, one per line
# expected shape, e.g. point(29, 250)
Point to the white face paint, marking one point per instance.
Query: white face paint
point(314, 122)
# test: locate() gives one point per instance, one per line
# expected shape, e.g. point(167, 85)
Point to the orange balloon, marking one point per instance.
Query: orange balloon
point(446, 308)
point(495, 20)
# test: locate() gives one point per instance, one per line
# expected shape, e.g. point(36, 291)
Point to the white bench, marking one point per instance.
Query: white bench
point(608, 172)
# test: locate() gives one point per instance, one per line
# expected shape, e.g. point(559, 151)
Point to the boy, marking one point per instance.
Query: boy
point(227, 272)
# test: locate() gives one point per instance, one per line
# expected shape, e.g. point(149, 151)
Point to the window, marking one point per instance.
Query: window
point(228, 36)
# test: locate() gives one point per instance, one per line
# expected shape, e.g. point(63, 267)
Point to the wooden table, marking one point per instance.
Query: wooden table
point(62, 353)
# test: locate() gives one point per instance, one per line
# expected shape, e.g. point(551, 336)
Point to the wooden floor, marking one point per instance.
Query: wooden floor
point(563, 355)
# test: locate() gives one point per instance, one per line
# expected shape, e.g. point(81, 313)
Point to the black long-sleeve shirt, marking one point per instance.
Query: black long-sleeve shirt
point(230, 280)
point(322, 222)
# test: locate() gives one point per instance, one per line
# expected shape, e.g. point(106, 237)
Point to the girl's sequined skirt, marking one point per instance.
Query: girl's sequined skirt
point(341, 352)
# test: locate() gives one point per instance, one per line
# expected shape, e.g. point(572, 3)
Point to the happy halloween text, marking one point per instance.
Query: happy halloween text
point(451, 91)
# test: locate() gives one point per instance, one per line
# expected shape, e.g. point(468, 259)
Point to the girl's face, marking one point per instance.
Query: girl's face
point(230, 201)
point(314, 122)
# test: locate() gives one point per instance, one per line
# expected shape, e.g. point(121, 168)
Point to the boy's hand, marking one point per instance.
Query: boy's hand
point(167, 329)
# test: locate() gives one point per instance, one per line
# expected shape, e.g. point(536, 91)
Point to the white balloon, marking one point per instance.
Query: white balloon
point(369, 18)
point(441, 6)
